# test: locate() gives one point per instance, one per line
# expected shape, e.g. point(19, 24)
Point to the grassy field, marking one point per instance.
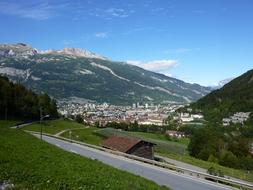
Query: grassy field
point(174, 150)
point(177, 151)
point(87, 135)
point(7, 123)
point(95, 136)
point(55, 126)
point(161, 137)
point(162, 145)
point(240, 174)
point(29, 163)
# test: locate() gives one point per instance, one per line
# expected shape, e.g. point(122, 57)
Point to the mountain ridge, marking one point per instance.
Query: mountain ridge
point(235, 96)
point(79, 73)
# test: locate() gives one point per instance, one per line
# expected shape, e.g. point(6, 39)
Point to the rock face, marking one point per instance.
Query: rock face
point(80, 74)
point(17, 50)
point(76, 52)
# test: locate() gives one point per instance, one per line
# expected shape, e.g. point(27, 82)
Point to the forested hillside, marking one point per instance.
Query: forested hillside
point(18, 102)
point(236, 96)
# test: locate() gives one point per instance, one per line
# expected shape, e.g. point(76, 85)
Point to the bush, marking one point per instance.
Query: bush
point(79, 119)
point(227, 158)
point(246, 163)
point(213, 159)
point(213, 171)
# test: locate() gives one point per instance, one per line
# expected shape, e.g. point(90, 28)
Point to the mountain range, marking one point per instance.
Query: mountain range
point(76, 74)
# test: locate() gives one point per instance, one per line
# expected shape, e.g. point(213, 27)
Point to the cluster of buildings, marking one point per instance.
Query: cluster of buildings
point(237, 118)
point(175, 134)
point(105, 113)
point(187, 117)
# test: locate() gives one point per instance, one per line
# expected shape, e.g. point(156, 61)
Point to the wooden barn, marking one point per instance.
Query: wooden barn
point(129, 145)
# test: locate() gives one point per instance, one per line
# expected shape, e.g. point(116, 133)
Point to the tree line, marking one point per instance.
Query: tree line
point(228, 147)
point(135, 127)
point(20, 103)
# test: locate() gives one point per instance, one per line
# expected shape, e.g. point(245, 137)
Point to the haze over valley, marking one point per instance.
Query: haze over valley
point(126, 94)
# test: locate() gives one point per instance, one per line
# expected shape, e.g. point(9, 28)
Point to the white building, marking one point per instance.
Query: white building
point(237, 118)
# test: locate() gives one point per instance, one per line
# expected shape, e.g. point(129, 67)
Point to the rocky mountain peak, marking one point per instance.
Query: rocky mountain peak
point(17, 50)
point(76, 52)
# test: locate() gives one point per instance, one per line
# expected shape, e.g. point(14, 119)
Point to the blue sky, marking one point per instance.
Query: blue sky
point(201, 41)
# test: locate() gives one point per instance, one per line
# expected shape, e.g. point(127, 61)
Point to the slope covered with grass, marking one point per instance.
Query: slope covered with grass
point(29, 163)
point(54, 126)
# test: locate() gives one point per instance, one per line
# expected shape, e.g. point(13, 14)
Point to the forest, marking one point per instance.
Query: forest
point(17, 102)
point(226, 146)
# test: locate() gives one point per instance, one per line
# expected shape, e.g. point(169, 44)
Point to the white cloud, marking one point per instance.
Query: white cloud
point(68, 43)
point(177, 51)
point(180, 50)
point(110, 13)
point(116, 12)
point(161, 66)
point(139, 29)
point(41, 11)
point(101, 35)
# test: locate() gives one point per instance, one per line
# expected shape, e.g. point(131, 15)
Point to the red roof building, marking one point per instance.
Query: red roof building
point(129, 145)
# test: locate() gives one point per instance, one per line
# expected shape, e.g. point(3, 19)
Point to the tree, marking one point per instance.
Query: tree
point(205, 142)
point(227, 158)
point(17, 101)
point(79, 119)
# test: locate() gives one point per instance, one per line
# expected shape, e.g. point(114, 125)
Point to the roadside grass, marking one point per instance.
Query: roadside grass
point(87, 135)
point(29, 163)
point(178, 151)
point(54, 126)
point(170, 149)
point(240, 174)
point(8, 123)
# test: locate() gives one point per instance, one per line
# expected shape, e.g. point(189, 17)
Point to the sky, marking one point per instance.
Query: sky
point(198, 41)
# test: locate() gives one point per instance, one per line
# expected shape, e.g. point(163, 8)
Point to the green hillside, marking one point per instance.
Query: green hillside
point(18, 102)
point(29, 163)
point(236, 96)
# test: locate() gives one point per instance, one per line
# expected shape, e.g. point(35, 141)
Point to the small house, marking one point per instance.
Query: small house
point(130, 145)
point(176, 134)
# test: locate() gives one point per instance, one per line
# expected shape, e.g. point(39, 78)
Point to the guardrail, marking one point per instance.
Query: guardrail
point(159, 164)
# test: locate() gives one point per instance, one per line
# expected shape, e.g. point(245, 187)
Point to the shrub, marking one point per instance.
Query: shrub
point(227, 158)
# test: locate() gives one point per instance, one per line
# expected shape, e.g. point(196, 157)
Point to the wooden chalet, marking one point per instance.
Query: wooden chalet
point(130, 145)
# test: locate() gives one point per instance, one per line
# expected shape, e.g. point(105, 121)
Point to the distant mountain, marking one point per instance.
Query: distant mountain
point(235, 96)
point(222, 83)
point(79, 74)
point(225, 81)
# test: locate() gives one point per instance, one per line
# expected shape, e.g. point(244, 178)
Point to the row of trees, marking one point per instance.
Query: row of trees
point(228, 148)
point(18, 102)
point(137, 128)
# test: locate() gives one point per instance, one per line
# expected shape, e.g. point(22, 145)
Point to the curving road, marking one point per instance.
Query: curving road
point(159, 175)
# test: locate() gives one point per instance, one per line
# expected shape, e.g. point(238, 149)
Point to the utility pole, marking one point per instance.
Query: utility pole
point(70, 136)
point(6, 113)
point(40, 123)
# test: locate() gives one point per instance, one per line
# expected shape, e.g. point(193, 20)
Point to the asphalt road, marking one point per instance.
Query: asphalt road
point(23, 125)
point(159, 175)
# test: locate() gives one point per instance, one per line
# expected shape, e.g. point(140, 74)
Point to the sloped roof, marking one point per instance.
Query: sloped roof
point(120, 143)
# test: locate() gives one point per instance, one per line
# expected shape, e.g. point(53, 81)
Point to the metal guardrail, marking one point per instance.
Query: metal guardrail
point(156, 163)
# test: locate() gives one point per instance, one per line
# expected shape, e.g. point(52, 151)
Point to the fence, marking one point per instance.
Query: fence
point(217, 179)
